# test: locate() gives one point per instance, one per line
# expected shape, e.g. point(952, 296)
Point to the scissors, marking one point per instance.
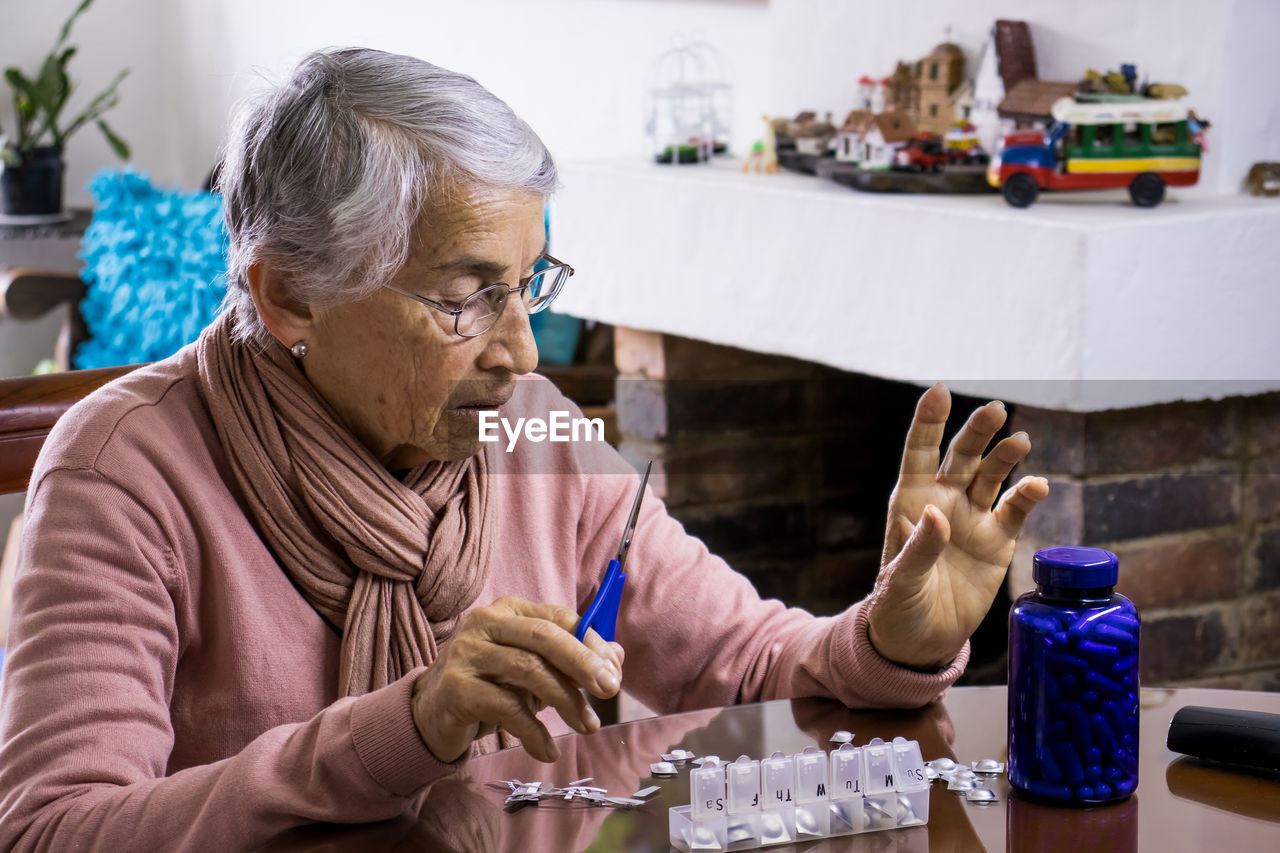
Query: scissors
point(602, 614)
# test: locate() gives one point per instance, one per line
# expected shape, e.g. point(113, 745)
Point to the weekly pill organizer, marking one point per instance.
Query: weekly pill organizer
point(812, 794)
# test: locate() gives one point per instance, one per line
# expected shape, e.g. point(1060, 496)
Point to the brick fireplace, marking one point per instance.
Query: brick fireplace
point(784, 467)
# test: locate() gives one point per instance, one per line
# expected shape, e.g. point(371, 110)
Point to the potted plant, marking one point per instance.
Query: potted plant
point(31, 178)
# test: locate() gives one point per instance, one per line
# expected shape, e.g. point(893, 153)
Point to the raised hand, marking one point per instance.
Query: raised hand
point(506, 663)
point(946, 547)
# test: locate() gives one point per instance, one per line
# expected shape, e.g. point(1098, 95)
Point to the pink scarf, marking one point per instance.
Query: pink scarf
point(393, 563)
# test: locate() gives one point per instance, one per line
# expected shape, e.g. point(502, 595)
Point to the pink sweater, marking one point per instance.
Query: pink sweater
point(167, 688)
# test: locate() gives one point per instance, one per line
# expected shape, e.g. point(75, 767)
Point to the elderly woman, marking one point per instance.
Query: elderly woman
point(277, 578)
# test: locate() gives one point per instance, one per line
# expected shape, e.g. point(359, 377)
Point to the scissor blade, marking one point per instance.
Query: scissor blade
point(630, 529)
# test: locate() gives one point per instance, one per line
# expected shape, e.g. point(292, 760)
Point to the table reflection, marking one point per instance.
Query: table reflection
point(1181, 802)
point(1038, 828)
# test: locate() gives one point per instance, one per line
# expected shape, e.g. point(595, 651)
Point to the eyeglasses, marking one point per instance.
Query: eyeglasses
point(478, 313)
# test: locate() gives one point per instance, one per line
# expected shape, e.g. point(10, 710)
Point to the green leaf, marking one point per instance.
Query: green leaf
point(56, 87)
point(105, 100)
point(28, 101)
point(66, 28)
point(117, 144)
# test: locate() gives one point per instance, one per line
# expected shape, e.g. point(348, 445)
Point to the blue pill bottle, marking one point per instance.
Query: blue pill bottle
point(1073, 682)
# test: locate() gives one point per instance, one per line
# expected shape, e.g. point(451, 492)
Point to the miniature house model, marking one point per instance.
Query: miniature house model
point(898, 95)
point(812, 137)
point(872, 93)
point(688, 106)
point(1012, 80)
point(1006, 59)
point(847, 143)
point(888, 132)
point(936, 77)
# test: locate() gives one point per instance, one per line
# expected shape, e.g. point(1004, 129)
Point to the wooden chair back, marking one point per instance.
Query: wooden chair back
point(30, 406)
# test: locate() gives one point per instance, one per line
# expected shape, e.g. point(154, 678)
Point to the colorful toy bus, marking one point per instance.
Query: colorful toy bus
point(1143, 145)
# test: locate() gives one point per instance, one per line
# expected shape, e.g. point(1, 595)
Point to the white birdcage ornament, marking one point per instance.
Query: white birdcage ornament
point(688, 104)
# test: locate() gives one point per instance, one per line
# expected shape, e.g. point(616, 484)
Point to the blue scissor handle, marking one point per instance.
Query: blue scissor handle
point(602, 614)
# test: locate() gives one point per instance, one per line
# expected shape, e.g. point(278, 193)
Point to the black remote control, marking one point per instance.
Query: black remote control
point(1248, 738)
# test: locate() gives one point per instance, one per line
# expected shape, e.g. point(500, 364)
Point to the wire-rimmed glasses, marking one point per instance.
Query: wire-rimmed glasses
point(478, 313)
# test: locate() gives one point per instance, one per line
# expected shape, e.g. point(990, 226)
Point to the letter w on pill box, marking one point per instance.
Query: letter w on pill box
point(794, 798)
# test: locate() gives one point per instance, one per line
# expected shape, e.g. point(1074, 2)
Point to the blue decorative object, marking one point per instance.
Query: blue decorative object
point(555, 334)
point(155, 268)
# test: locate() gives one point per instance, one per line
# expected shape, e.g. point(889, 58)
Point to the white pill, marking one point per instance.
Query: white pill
point(984, 796)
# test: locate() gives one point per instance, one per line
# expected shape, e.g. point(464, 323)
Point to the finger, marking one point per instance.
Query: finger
point(920, 456)
point(964, 455)
point(526, 671)
point(558, 648)
point(605, 650)
point(501, 707)
point(909, 572)
point(1016, 503)
point(996, 466)
point(547, 630)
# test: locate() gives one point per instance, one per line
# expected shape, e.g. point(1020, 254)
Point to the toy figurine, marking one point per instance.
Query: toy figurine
point(1198, 126)
point(1140, 144)
point(1264, 179)
point(764, 154)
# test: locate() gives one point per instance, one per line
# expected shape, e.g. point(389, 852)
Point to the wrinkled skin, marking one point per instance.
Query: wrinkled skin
point(393, 368)
point(948, 540)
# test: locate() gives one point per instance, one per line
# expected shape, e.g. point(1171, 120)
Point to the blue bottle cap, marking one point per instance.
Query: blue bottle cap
point(1074, 567)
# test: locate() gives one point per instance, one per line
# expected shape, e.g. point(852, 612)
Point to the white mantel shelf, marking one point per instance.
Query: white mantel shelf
point(1081, 302)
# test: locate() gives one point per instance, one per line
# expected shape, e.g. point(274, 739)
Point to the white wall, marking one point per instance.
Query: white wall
point(577, 69)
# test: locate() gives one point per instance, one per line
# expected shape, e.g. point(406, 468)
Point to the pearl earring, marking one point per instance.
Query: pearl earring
point(298, 350)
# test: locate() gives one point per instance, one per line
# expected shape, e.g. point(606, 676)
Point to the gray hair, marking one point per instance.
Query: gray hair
point(326, 175)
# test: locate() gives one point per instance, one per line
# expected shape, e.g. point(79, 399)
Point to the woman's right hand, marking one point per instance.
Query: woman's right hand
point(506, 663)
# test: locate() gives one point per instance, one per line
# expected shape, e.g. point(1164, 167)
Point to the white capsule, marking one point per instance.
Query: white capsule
point(988, 766)
point(943, 765)
point(842, 736)
point(982, 796)
point(960, 784)
point(663, 768)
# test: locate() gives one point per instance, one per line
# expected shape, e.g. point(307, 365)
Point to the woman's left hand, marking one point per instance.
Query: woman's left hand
point(946, 548)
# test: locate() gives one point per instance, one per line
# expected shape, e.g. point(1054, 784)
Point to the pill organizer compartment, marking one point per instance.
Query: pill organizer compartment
point(778, 802)
point(813, 809)
point(743, 803)
point(812, 794)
